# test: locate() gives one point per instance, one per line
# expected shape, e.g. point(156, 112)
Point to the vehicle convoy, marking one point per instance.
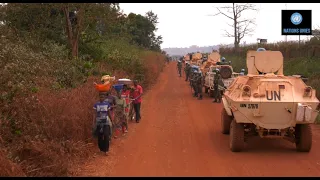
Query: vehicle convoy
point(268, 104)
point(204, 58)
point(212, 59)
point(208, 68)
point(196, 58)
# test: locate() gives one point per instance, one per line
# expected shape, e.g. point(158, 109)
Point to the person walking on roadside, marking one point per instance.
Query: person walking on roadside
point(193, 83)
point(179, 67)
point(218, 87)
point(112, 101)
point(187, 71)
point(102, 123)
point(199, 84)
point(126, 94)
point(137, 93)
point(121, 114)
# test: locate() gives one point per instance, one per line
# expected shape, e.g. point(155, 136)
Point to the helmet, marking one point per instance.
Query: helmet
point(223, 59)
point(261, 49)
point(242, 70)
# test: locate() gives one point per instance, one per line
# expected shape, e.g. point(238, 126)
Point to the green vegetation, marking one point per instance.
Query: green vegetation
point(65, 41)
point(49, 55)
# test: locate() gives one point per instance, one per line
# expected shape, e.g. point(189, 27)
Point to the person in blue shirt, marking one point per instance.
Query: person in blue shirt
point(102, 122)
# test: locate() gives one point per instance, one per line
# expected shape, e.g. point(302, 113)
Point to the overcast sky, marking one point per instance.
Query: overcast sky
point(186, 24)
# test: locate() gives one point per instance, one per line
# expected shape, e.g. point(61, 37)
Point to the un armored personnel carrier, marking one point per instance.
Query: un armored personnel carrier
point(208, 68)
point(268, 104)
point(203, 59)
point(212, 59)
point(195, 58)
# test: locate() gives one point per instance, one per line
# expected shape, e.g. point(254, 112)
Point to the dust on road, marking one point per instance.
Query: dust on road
point(181, 136)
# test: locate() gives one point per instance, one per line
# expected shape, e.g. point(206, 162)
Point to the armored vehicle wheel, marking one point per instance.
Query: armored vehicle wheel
point(236, 140)
point(303, 137)
point(225, 122)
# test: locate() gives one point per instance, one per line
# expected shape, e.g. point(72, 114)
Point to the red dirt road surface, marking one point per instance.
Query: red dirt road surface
point(181, 136)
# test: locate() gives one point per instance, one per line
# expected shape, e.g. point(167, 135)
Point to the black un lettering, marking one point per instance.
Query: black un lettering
point(274, 95)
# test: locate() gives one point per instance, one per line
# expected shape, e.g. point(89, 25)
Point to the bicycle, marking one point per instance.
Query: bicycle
point(132, 113)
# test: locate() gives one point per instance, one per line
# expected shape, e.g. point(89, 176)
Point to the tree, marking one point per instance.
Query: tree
point(241, 26)
point(83, 25)
point(156, 41)
point(33, 19)
point(73, 29)
point(142, 30)
point(61, 22)
point(94, 15)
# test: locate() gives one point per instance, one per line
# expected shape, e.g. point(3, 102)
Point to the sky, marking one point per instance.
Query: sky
point(187, 24)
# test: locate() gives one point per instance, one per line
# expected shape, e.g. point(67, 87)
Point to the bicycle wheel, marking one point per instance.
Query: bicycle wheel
point(132, 113)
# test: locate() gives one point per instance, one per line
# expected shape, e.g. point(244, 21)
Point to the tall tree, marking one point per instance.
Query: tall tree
point(142, 30)
point(78, 24)
point(95, 15)
point(156, 41)
point(73, 29)
point(241, 26)
point(63, 23)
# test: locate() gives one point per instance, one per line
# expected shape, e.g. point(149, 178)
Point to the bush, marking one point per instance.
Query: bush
point(46, 98)
point(46, 128)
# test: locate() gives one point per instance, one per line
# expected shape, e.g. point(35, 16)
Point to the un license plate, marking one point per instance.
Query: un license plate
point(227, 82)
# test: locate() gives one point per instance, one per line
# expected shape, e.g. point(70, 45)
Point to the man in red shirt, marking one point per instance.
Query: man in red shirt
point(137, 93)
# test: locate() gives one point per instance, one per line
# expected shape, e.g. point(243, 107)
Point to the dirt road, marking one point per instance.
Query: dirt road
point(180, 136)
